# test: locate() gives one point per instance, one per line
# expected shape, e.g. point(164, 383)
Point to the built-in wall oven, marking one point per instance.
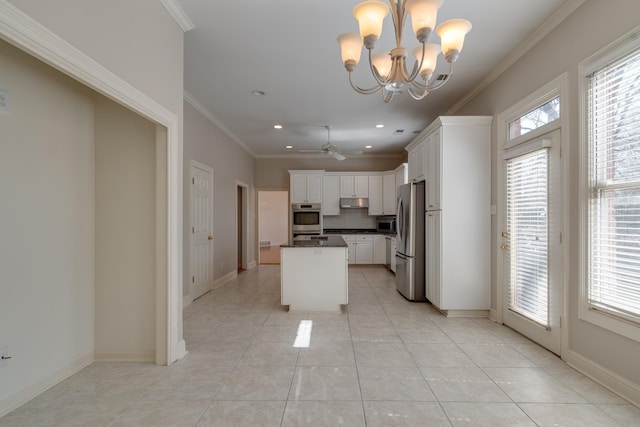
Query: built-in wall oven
point(306, 218)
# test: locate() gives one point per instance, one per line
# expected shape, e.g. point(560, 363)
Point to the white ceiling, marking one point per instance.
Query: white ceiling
point(288, 49)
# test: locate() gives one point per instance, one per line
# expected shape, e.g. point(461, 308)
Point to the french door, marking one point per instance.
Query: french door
point(532, 240)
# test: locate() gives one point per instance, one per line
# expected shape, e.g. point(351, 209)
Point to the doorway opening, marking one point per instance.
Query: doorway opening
point(242, 204)
point(273, 224)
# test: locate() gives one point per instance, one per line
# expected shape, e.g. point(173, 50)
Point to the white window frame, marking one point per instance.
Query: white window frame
point(609, 54)
point(557, 87)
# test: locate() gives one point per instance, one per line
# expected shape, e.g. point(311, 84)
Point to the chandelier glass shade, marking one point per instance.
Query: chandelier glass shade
point(389, 69)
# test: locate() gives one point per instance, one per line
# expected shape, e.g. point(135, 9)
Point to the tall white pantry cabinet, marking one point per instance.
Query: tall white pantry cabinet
point(456, 166)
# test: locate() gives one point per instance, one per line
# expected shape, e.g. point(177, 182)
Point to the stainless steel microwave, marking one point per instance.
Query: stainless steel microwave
point(386, 224)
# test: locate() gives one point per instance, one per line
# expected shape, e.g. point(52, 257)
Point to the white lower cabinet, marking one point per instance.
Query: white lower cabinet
point(360, 248)
point(433, 248)
point(393, 255)
point(379, 249)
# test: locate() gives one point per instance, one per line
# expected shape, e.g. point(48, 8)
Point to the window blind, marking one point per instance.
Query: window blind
point(527, 234)
point(613, 132)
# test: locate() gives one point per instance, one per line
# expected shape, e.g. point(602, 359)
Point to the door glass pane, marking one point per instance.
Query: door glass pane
point(527, 235)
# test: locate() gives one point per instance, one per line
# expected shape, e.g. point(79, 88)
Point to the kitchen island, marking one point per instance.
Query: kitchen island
point(314, 273)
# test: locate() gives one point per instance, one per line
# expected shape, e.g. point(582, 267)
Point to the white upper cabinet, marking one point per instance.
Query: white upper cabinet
point(417, 165)
point(375, 195)
point(331, 195)
point(306, 186)
point(354, 186)
point(434, 165)
point(388, 194)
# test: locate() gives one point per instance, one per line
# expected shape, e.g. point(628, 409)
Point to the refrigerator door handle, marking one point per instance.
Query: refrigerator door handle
point(400, 217)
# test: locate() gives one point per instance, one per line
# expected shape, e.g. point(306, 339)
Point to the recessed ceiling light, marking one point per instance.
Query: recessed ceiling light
point(288, 147)
point(380, 126)
point(257, 93)
point(368, 146)
point(277, 126)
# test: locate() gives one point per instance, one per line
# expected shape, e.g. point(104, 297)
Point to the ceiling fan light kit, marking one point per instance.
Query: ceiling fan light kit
point(389, 69)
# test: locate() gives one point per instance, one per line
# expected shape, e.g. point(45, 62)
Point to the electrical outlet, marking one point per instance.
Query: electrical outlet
point(4, 356)
point(4, 100)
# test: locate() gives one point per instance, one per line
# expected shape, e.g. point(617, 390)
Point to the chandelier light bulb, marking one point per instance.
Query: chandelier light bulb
point(382, 62)
point(423, 16)
point(431, 52)
point(370, 15)
point(351, 48)
point(452, 35)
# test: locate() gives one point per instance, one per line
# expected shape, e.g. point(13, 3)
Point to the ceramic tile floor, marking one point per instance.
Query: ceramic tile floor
point(385, 362)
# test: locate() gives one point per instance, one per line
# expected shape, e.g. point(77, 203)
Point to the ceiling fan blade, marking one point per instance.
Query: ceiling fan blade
point(311, 151)
point(337, 156)
point(356, 152)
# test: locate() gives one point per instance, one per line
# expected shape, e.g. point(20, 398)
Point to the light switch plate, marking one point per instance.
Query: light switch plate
point(4, 100)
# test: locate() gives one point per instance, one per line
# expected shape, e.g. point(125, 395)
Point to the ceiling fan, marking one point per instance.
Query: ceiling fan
point(330, 149)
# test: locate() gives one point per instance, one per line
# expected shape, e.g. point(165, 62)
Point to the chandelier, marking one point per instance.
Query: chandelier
point(390, 68)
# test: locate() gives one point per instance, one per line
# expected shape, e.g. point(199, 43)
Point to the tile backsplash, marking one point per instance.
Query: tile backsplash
point(350, 218)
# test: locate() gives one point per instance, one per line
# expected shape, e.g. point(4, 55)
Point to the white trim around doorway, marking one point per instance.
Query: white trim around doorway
point(557, 87)
point(22, 31)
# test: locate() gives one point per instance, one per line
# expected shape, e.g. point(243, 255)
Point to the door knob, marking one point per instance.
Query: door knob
point(504, 247)
point(210, 238)
point(505, 234)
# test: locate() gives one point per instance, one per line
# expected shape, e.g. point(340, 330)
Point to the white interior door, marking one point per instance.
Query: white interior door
point(532, 239)
point(201, 229)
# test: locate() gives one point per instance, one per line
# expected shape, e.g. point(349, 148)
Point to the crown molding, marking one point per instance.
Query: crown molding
point(549, 25)
point(322, 156)
point(205, 112)
point(178, 14)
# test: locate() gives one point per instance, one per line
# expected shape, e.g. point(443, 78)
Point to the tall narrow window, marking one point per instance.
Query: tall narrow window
point(613, 218)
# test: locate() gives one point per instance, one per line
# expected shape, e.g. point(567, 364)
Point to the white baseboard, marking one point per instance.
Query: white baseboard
point(21, 397)
point(224, 279)
point(493, 315)
point(182, 349)
point(139, 356)
point(186, 300)
point(608, 379)
point(465, 313)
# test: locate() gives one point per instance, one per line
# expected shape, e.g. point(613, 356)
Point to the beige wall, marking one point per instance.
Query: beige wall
point(46, 223)
point(47, 177)
point(136, 40)
point(591, 27)
point(207, 144)
point(274, 173)
point(125, 162)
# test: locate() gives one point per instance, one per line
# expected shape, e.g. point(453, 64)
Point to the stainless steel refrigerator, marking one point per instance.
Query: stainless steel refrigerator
point(410, 262)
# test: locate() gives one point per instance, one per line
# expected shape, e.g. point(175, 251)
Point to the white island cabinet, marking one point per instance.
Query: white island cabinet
point(314, 274)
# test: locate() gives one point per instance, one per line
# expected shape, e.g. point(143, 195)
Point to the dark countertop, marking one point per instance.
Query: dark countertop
point(332, 241)
point(332, 231)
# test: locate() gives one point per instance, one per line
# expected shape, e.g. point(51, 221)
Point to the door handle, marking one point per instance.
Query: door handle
point(504, 247)
point(210, 238)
